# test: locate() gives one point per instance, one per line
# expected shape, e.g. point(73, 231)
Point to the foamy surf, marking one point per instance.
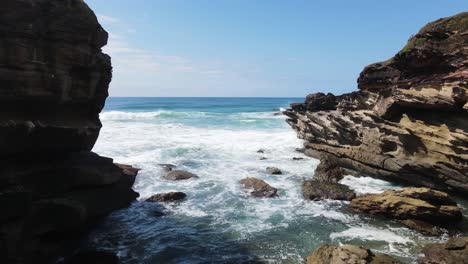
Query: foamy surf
point(219, 220)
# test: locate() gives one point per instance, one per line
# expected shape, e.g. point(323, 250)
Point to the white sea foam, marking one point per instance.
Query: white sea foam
point(120, 115)
point(363, 185)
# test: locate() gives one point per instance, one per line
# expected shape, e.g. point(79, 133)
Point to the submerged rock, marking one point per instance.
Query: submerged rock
point(319, 190)
point(259, 188)
point(328, 170)
point(408, 121)
point(261, 151)
point(297, 158)
point(455, 251)
point(263, 158)
point(424, 204)
point(347, 254)
point(273, 171)
point(176, 175)
point(167, 197)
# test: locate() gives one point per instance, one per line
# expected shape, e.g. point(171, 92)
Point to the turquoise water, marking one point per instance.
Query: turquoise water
point(218, 139)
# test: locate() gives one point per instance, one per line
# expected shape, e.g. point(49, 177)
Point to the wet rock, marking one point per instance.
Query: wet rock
point(176, 175)
point(261, 151)
point(319, 190)
point(455, 251)
point(167, 167)
point(423, 227)
point(328, 170)
point(407, 121)
point(167, 197)
point(258, 188)
point(424, 204)
point(263, 158)
point(297, 158)
point(273, 171)
point(300, 150)
point(347, 254)
point(94, 257)
point(277, 114)
point(128, 169)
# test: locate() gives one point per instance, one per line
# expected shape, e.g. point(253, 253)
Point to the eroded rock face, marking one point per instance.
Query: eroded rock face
point(347, 254)
point(408, 121)
point(328, 170)
point(53, 84)
point(453, 252)
point(410, 203)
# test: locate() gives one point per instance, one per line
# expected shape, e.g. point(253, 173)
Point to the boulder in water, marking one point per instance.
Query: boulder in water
point(453, 252)
point(424, 204)
point(176, 175)
point(273, 171)
point(328, 170)
point(259, 187)
point(167, 197)
point(319, 190)
point(347, 254)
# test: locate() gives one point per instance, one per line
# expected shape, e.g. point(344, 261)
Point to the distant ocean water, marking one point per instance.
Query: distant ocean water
point(218, 139)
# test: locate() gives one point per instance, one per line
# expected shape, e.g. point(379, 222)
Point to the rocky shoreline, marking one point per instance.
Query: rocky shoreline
point(406, 123)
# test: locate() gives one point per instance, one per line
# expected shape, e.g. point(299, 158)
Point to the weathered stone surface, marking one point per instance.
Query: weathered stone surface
point(455, 251)
point(167, 197)
point(410, 203)
point(177, 175)
point(258, 188)
point(408, 121)
point(53, 84)
point(328, 170)
point(319, 190)
point(347, 254)
point(423, 227)
point(273, 171)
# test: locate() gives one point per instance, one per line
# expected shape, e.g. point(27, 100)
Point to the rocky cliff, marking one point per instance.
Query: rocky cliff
point(53, 84)
point(409, 119)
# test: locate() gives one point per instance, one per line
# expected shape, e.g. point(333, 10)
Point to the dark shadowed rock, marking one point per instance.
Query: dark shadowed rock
point(261, 151)
point(455, 251)
point(54, 80)
point(273, 171)
point(411, 203)
point(348, 254)
point(258, 188)
point(176, 175)
point(328, 170)
point(319, 190)
point(297, 158)
point(263, 158)
point(408, 121)
point(167, 197)
point(423, 227)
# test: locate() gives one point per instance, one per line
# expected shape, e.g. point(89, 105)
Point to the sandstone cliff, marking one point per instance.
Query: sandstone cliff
point(409, 119)
point(53, 84)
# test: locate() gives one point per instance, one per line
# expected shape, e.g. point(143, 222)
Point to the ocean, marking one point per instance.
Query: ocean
point(218, 139)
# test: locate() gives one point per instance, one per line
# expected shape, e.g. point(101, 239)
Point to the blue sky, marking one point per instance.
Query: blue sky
point(265, 48)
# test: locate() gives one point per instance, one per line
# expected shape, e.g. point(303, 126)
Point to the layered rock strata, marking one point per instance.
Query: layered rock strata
point(54, 80)
point(408, 121)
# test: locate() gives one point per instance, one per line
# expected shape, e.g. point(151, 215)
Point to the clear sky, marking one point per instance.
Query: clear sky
point(264, 48)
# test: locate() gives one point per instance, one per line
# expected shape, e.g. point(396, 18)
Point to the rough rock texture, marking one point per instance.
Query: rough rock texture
point(423, 227)
point(53, 84)
point(258, 188)
point(455, 251)
point(319, 190)
point(177, 175)
point(410, 203)
point(347, 254)
point(408, 121)
point(328, 170)
point(167, 197)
